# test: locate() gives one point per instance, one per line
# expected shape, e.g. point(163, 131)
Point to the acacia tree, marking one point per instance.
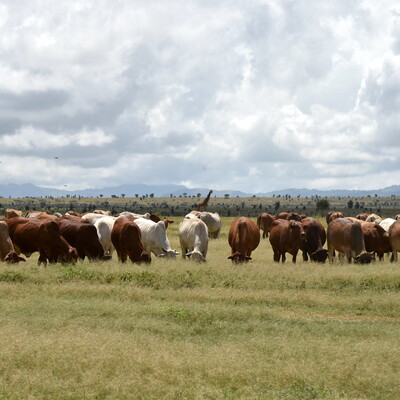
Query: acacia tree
point(322, 205)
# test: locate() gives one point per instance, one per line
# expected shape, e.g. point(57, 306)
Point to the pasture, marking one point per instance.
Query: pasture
point(179, 330)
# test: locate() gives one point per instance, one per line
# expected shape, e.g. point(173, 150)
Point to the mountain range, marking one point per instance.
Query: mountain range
point(130, 190)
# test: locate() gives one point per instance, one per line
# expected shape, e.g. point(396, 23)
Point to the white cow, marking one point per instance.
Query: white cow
point(213, 222)
point(387, 223)
point(92, 217)
point(193, 236)
point(104, 227)
point(154, 238)
point(131, 214)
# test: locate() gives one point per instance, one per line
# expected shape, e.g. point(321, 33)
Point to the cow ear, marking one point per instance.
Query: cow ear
point(230, 258)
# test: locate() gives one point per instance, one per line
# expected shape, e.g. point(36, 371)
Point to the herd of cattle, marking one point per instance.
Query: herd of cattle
point(65, 238)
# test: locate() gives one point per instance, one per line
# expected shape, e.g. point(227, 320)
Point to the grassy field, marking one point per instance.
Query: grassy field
point(179, 330)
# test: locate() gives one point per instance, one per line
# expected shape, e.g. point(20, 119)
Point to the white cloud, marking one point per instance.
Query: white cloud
point(253, 96)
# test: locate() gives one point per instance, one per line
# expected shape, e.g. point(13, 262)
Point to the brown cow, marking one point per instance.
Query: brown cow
point(394, 236)
point(333, 215)
point(244, 237)
point(30, 235)
point(74, 213)
point(286, 237)
point(43, 215)
point(288, 216)
point(82, 235)
point(315, 239)
point(362, 216)
point(376, 239)
point(156, 218)
point(126, 238)
point(264, 221)
point(7, 251)
point(346, 236)
point(11, 213)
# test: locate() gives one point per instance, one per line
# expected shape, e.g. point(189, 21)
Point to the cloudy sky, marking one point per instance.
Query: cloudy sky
point(256, 95)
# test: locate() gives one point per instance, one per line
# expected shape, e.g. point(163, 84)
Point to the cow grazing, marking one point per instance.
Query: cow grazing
point(154, 238)
point(193, 237)
point(286, 237)
point(104, 226)
point(264, 222)
point(346, 237)
point(289, 216)
point(83, 236)
point(213, 222)
point(244, 237)
point(314, 241)
point(394, 236)
point(30, 235)
point(11, 213)
point(387, 223)
point(7, 251)
point(333, 215)
point(127, 240)
point(362, 216)
point(373, 218)
point(376, 239)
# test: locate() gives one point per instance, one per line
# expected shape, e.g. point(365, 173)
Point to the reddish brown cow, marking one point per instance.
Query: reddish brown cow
point(376, 239)
point(126, 238)
point(244, 237)
point(11, 213)
point(156, 218)
point(286, 237)
point(345, 235)
point(74, 213)
point(333, 215)
point(264, 221)
point(289, 216)
point(82, 235)
point(362, 216)
point(30, 235)
point(7, 251)
point(315, 239)
point(394, 236)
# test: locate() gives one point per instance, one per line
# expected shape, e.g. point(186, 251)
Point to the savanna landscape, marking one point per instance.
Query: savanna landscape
point(175, 329)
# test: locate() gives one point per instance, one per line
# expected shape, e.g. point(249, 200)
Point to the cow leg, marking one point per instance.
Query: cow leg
point(283, 257)
point(42, 258)
point(277, 256)
point(305, 255)
point(294, 257)
point(393, 258)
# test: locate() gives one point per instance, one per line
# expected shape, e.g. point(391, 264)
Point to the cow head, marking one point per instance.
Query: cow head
point(168, 253)
point(145, 257)
point(319, 256)
point(13, 258)
point(364, 257)
point(239, 257)
point(297, 227)
point(196, 256)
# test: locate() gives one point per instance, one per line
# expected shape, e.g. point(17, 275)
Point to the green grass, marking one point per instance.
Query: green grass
point(179, 330)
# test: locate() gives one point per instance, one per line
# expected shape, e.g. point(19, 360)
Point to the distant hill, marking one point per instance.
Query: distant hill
point(130, 190)
point(385, 192)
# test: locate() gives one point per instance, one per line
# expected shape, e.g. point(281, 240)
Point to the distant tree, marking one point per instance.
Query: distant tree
point(136, 195)
point(198, 195)
point(151, 195)
point(350, 204)
point(101, 195)
point(277, 205)
point(322, 205)
point(123, 195)
point(114, 196)
point(226, 195)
